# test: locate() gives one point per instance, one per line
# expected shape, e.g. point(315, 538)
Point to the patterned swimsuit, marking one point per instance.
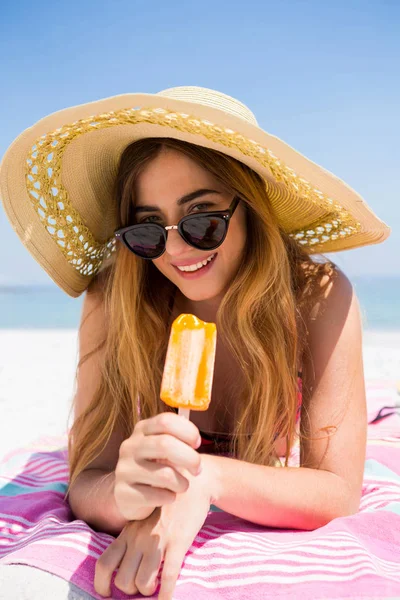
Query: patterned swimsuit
point(219, 444)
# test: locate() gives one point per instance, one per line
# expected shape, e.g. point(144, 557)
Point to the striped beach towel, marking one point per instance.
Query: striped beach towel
point(350, 557)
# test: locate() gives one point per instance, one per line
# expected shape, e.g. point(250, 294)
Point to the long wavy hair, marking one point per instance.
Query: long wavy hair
point(260, 319)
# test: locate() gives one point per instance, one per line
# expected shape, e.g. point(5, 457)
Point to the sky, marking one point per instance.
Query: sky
point(322, 76)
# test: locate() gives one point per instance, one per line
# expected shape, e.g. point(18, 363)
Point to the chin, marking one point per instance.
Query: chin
point(199, 295)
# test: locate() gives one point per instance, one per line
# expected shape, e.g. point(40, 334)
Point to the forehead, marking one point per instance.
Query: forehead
point(170, 175)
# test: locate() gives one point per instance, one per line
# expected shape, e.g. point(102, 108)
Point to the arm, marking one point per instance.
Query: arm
point(91, 496)
point(288, 497)
point(92, 500)
point(328, 482)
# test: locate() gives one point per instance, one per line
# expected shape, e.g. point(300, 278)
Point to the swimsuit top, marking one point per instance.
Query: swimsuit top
point(219, 443)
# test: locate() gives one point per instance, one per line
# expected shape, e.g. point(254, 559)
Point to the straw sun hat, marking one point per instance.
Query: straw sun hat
point(56, 178)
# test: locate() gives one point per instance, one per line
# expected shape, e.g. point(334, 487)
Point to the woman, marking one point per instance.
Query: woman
point(249, 220)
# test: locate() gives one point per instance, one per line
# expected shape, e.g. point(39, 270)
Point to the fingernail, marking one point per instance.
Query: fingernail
point(198, 442)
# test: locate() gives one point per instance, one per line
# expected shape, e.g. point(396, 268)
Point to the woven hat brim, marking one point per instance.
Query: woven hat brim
point(85, 143)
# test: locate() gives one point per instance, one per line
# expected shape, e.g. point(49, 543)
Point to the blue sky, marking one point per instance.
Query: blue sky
point(323, 76)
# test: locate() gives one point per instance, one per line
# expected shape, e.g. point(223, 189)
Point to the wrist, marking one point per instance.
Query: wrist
point(211, 475)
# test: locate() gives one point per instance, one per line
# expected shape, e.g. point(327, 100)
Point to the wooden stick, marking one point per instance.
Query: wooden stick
point(184, 412)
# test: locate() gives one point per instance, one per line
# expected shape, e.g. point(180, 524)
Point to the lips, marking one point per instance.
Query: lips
point(198, 272)
point(185, 263)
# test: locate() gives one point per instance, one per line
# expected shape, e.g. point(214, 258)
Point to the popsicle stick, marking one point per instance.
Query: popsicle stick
point(184, 412)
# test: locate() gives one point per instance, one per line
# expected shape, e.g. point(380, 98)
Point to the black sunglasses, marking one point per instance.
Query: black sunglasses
point(205, 231)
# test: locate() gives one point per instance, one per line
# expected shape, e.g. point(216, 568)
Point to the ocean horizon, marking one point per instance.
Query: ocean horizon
point(48, 307)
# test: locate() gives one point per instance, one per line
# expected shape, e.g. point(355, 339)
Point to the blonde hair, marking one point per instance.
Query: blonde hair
point(260, 319)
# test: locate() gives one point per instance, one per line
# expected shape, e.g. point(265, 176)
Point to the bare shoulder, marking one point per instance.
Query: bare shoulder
point(333, 305)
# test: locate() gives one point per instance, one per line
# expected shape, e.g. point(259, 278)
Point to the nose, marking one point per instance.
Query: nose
point(175, 245)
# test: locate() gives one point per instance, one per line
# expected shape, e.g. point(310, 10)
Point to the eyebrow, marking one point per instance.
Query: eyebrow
point(184, 200)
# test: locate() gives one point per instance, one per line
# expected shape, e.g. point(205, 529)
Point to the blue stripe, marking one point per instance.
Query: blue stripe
point(13, 489)
point(374, 467)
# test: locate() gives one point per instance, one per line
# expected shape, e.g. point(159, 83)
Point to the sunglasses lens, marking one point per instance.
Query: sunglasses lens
point(145, 240)
point(204, 232)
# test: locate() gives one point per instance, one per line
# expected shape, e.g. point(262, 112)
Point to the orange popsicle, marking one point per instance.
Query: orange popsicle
point(189, 364)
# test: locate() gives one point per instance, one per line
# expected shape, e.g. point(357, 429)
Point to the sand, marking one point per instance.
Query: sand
point(37, 373)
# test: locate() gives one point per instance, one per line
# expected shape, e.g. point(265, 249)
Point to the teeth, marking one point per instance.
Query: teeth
point(197, 266)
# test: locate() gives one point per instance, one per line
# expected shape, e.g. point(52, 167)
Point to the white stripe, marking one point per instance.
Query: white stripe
point(33, 485)
point(271, 579)
point(47, 469)
point(188, 575)
point(39, 474)
point(58, 543)
point(268, 548)
point(42, 478)
point(38, 479)
point(315, 537)
point(43, 538)
point(71, 544)
point(370, 483)
point(83, 536)
point(293, 569)
point(379, 499)
point(193, 559)
point(34, 464)
point(382, 493)
point(58, 526)
point(43, 461)
point(19, 519)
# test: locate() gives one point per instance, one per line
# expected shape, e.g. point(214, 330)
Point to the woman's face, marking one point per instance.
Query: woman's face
point(160, 186)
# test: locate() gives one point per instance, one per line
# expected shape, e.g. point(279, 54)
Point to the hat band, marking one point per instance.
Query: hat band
point(51, 201)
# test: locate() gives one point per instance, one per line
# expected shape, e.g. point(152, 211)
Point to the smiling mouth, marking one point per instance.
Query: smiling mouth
point(196, 266)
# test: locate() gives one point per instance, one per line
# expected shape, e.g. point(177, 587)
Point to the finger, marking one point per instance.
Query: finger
point(173, 560)
point(149, 495)
point(108, 562)
point(163, 476)
point(125, 578)
point(172, 424)
point(167, 447)
point(146, 578)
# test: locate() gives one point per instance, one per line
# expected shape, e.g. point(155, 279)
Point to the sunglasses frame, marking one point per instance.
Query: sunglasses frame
point(224, 214)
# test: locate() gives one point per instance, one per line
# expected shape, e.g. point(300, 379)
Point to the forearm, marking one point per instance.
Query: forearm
point(284, 497)
point(92, 500)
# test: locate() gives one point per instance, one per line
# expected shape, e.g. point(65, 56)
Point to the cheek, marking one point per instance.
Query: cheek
point(237, 236)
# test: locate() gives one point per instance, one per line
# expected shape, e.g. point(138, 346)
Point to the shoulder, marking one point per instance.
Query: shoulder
point(327, 293)
point(330, 313)
point(333, 303)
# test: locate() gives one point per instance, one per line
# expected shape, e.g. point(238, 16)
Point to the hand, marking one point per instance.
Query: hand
point(153, 463)
point(166, 534)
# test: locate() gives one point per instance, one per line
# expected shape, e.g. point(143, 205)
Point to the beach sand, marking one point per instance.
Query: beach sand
point(37, 379)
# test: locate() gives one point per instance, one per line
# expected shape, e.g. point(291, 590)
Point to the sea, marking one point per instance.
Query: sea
point(48, 307)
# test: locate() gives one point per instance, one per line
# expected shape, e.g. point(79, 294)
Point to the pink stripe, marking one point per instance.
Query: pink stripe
point(63, 529)
point(58, 477)
point(47, 535)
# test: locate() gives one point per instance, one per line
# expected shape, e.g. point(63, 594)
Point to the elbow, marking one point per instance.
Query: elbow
point(344, 503)
point(347, 505)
